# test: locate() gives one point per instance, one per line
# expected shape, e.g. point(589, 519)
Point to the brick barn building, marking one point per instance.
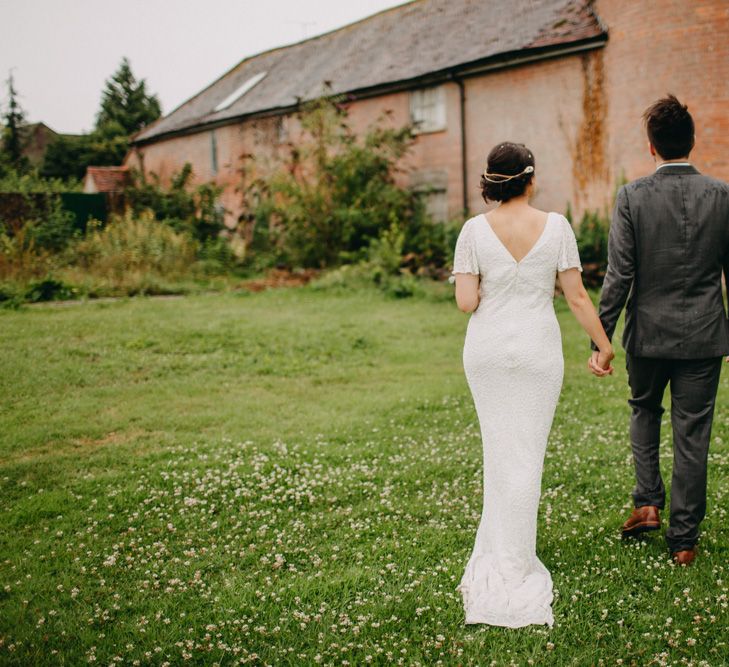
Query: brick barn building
point(569, 78)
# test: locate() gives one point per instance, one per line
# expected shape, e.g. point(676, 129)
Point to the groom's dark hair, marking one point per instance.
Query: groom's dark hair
point(670, 127)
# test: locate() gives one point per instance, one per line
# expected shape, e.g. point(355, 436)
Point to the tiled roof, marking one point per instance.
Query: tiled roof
point(398, 45)
point(107, 179)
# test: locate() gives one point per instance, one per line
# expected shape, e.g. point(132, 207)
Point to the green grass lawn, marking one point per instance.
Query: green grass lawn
point(294, 478)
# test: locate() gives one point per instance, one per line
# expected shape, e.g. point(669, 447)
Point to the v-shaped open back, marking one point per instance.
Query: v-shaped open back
point(503, 245)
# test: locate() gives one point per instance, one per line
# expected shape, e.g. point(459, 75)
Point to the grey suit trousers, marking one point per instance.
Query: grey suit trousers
point(693, 384)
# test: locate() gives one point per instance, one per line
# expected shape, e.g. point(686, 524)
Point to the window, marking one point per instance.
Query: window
point(432, 187)
point(436, 204)
point(282, 132)
point(240, 91)
point(427, 109)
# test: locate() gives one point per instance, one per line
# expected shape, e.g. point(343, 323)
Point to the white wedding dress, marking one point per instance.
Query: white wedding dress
point(512, 357)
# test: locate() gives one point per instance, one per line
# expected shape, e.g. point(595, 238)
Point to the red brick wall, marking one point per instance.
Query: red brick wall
point(539, 105)
point(661, 46)
point(580, 114)
point(432, 151)
point(165, 158)
point(534, 104)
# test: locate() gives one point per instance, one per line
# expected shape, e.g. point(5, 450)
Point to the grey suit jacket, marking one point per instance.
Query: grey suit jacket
point(667, 247)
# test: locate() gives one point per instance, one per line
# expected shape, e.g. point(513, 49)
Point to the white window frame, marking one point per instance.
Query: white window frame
point(428, 109)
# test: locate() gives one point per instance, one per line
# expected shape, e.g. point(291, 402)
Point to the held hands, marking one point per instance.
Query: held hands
point(599, 363)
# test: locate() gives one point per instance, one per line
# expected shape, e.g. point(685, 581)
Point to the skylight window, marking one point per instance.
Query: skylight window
point(240, 91)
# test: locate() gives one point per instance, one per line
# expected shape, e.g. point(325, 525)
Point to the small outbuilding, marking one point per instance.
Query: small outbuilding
point(106, 179)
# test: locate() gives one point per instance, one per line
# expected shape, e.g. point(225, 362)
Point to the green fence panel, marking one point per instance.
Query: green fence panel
point(85, 206)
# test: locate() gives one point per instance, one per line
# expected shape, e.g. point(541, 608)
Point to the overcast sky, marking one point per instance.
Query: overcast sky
point(62, 51)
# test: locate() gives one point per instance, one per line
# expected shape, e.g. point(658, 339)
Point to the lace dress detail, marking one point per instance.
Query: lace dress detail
point(512, 357)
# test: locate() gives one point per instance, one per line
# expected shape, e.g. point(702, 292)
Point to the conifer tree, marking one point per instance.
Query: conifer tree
point(13, 139)
point(126, 107)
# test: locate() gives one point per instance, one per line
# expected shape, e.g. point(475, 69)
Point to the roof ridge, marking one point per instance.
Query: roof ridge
point(273, 49)
point(399, 45)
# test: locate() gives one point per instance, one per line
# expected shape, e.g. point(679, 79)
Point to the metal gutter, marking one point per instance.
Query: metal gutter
point(464, 162)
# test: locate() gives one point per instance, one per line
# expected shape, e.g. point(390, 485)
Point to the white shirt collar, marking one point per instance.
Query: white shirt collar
point(674, 164)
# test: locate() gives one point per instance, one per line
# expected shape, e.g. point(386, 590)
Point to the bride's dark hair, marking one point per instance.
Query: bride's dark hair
point(507, 160)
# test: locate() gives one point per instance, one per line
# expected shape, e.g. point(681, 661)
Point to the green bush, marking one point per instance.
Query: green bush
point(592, 240)
point(45, 221)
point(216, 256)
point(49, 289)
point(54, 230)
point(10, 296)
point(402, 286)
point(334, 194)
point(130, 247)
point(429, 246)
point(33, 182)
point(20, 258)
point(194, 211)
point(384, 253)
point(592, 237)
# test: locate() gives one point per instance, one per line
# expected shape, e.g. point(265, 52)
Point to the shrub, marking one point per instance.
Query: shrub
point(20, 258)
point(49, 289)
point(216, 256)
point(429, 246)
point(54, 230)
point(194, 211)
point(35, 206)
point(592, 237)
point(33, 182)
point(385, 252)
point(592, 240)
point(334, 194)
point(130, 246)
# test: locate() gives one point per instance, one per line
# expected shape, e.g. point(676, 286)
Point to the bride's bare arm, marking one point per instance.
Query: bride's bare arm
point(467, 291)
point(584, 311)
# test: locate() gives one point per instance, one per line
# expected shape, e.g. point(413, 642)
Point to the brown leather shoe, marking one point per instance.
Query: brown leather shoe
point(685, 556)
point(641, 520)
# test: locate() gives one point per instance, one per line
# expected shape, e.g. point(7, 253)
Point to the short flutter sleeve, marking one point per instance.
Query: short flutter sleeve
point(569, 256)
point(464, 259)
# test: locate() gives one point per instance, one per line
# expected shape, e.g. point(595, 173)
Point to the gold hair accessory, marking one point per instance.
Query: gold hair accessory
point(502, 178)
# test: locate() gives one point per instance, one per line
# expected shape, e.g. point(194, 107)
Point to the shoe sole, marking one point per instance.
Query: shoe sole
point(640, 529)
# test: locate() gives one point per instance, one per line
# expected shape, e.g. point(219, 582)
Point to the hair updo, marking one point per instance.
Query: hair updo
point(508, 159)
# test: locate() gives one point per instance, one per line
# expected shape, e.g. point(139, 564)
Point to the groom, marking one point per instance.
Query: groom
point(667, 248)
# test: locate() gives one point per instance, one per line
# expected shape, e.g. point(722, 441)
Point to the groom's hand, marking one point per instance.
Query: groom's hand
point(599, 364)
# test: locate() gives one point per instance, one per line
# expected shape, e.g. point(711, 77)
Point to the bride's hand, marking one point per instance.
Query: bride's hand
point(599, 363)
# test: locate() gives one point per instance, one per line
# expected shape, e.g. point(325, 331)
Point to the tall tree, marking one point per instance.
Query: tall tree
point(67, 157)
point(126, 107)
point(13, 140)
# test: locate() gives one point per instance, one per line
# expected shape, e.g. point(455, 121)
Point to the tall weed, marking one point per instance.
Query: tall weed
point(131, 246)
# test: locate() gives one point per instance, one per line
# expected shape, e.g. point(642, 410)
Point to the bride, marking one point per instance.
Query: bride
point(505, 267)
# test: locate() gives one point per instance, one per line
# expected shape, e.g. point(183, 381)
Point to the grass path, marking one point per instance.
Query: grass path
point(294, 477)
